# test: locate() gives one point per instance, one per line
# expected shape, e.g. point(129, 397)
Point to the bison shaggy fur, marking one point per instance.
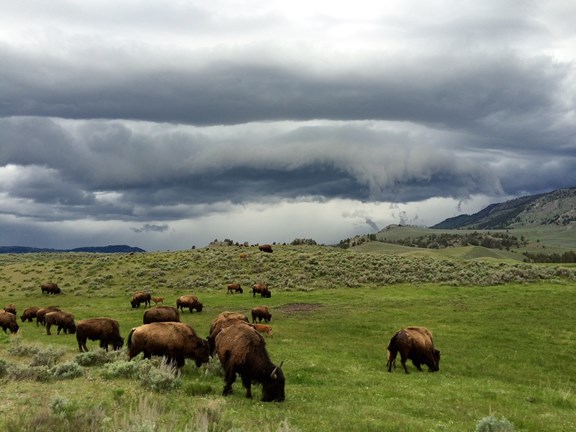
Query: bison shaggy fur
point(29, 313)
point(161, 314)
point(261, 313)
point(242, 350)
point(416, 344)
point(64, 321)
point(265, 248)
point(234, 288)
point(41, 314)
point(140, 297)
point(188, 301)
point(8, 322)
point(261, 289)
point(174, 340)
point(106, 330)
point(223, 320)
point(50, 288)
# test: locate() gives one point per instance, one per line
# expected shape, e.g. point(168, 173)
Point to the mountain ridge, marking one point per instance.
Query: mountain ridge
point(91, 249)
point(557, 207)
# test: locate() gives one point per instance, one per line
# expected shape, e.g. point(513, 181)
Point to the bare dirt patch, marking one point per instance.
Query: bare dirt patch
point(293, 308)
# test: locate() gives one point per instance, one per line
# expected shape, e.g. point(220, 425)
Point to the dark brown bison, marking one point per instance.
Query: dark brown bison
point(235, 288)
point(8, 322)
point(174, 340)
point(29, 313)
point(50, 288)
point(188, 301)
point(140, 297)
point(265, 248)
point(222, 321)
point(262, 313)
point(242, 350)
point(106, 330)
point(41, 314)
point(262, 289)
point(64, 321)
point(10, 308)
point(416, 344)
point(161, 314)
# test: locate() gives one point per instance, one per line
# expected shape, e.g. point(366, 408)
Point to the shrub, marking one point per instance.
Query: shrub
point(492, 424)
point(163, 377)
point(46, 357)
point(121, 369)
point(67, 371)
point(96, 358)
point(3, 368)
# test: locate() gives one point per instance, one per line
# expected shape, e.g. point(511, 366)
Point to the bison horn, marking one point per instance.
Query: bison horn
point(273, 374)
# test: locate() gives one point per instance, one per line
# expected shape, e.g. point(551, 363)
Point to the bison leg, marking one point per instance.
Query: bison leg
point(247, 383)
point(391, 360)
point(228, 381)
point(48, 329)
point(403, 360)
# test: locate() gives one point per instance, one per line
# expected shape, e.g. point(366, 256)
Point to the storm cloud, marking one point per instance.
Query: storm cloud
point(167, 125)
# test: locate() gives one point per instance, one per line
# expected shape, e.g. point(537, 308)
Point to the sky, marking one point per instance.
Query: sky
point(167, 124)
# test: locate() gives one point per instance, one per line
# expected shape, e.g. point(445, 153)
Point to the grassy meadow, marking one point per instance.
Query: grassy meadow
point(505, 330)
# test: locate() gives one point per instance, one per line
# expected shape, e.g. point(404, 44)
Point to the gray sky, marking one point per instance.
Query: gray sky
point(166, 124)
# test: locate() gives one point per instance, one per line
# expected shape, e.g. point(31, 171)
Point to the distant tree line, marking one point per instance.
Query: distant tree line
point(503, 241)
point(566, 257)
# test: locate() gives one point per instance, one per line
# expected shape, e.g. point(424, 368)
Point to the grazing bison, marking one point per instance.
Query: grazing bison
point(174, 340)
point(235, 288)
point(41, 314)
point(222, 321)
point(262, 313)
point(10, 308)
point(265, 248)
point(242, 350)
point(50, 288)
point(261, 289)
point(416, 344)
point(29, 313)
point(140, 297)
point(188, 301)
point(8, 322)
point(263, 328)
point(106, 330)
point(161, 314)
point(64, 321)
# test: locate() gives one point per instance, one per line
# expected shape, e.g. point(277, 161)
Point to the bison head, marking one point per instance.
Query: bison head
point(202, 352)
point(435, 364)
point(273, 388)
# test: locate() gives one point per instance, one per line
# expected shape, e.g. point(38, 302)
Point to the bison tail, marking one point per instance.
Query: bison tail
point(129, 341)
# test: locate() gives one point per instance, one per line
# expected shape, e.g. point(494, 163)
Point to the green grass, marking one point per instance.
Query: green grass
point(507, 349)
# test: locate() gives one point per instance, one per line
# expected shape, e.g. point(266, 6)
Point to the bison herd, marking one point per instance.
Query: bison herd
point(238, 344)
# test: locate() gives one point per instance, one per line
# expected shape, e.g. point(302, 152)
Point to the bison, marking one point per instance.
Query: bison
point(174, 340)
point(188, 301)
point(10, 308)
point(234, 288)
point(158, 300)
point(41, 314)
point(8, 322)
point(64, 321)
point(161, 314)
point(262, 313)
point(140, 297)
point(262, 289)
point(29, 313)
point(222, 321)
point(50, 288)
point(265, 248)
point(416, 344)
point(106, 330)
point(242, 350)
point(263, 328)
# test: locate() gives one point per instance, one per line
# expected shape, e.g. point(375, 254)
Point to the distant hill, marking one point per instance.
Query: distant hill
point(92, 249)
point(552, 208)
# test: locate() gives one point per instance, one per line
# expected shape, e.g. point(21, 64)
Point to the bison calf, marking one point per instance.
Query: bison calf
point(242, 350)
point(416, 344)
point(106, 330)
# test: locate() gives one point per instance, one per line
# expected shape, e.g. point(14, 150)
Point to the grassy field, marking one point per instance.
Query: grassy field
point(507, 348)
